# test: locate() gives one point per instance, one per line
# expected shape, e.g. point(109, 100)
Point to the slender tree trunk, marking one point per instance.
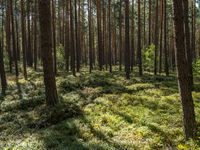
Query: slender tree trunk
point(73, 57)
point(139, 41)
point(77, 41)
point(35, 35)
point(99, 34)
point(24, 46)
point(127, 41)
point(165, 39)
point(14, 40)
point(90, 35)
point(144, 26)
point(133, 36)
point(17, 32)
point(161, 37)
point(67, 44)
point(54, 35)
point(150, 5)
point(156, 39)
point(109, 36)
point(120, 36)
point(29, 45)
point(2, 68)
point(8, 34)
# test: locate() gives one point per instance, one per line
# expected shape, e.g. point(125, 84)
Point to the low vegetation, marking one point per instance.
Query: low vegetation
point(96, 111)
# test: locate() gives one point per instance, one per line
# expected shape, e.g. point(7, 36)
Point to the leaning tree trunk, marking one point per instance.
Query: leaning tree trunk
point(46, 49)
point(183, 69)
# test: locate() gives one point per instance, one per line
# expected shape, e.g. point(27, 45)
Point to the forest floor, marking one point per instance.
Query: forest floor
point(100, 111)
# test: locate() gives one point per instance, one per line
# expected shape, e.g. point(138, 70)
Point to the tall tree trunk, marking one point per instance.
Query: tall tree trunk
point(73, 57)
point(8, 34)
point(144, 26)
point(156, 39)
point(182, 68)
point(150, 7)
point(127, 41)
point(46, 47)
point(35, 35)
point(24, 46)
point(99, 34)
point(109, 36)
point(14, 40)
point(54, 35)
point(2, 68)
point(67, 36)
point(29, 45)
point(139, 53)
point(76, 37)
point(165, 39)
point(187, 40)
point(133, 36)
point(90, 34)
point(161, 37)
point(17, 32)
point(120, 36)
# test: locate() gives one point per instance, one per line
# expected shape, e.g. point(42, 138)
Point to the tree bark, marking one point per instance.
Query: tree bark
point(46, 48)
point(183, 69)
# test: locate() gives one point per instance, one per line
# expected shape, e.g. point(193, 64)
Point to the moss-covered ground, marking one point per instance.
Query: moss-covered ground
point(98, 111)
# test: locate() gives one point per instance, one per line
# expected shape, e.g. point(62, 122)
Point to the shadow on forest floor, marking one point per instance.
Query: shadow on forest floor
point(97, 111)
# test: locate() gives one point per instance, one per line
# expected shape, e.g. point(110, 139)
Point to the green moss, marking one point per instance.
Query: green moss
point(96, 111)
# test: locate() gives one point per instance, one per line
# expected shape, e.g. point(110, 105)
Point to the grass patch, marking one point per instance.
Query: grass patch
point(96, 111)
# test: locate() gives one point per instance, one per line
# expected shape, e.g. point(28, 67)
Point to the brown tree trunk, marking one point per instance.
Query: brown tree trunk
point(187, 40)
point(139, 41)
point(54, 35)
point(24, 46)
point(150, 5)
point(161, 37)
point(182, 68)
point(77, 37)
point(165, 39)
point(67, 36)
point(127, 41)
point(35, 35)
point(8, 34)
point(156, 39)
point(2, 68)
point(29, 45)
point(14, 40)
point(99, 34)
point(133, 36)
point(109, 37)
point(73, 57)
point(46, 48)
point(90, 34)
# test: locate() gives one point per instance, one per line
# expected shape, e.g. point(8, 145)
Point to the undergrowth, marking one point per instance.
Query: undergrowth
point(96, 111)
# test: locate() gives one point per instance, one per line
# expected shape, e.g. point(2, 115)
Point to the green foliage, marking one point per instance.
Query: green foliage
point(196, 66)
point(148, 55)
point(60, 57)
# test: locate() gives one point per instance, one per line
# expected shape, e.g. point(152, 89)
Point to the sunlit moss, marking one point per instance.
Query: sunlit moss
point(96, 111)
